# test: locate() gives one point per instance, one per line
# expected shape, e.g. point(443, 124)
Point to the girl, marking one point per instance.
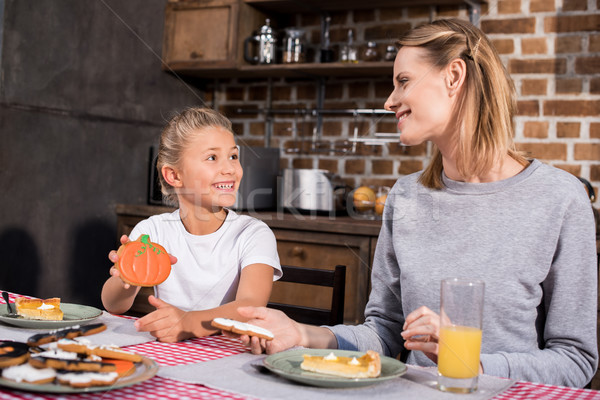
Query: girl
point(222, 260)
point(479, 210)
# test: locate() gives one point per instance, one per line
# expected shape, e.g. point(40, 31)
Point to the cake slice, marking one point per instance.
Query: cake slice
point(367, 366)
point(48, 309)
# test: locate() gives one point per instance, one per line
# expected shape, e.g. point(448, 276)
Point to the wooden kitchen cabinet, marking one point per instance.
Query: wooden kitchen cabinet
point(306, 241)
point(207, 34)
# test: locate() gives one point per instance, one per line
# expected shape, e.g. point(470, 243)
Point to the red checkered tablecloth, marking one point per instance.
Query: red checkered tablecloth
point(214, 347)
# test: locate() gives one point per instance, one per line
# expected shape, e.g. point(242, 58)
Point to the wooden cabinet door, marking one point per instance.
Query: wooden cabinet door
point(207, 33)
point(325, 251)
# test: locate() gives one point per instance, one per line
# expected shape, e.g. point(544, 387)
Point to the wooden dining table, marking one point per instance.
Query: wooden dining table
point(209, 348)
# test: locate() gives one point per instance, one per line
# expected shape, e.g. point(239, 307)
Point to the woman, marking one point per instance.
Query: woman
point(479, 210)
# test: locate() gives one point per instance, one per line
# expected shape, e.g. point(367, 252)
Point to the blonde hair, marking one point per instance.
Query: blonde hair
point(487, 102)
point(176, 136)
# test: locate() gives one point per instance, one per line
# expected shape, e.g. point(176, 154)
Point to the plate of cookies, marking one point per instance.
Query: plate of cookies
point(47, 313)
point(63, 361)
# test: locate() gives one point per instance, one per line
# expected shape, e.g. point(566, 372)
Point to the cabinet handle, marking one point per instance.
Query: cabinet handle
point(299, 252)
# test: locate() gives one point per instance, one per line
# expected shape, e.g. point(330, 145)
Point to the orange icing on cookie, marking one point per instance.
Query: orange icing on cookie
point(143, 263)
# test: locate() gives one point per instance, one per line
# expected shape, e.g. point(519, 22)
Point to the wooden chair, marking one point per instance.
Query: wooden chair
point(317, 277)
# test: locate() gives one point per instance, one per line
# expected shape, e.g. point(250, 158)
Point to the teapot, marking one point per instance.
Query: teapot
point(265, 42)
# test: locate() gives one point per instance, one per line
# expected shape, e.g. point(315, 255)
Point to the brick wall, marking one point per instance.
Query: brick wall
point(550, 47)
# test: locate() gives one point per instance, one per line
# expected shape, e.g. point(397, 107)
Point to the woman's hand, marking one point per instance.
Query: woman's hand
point(166, 323)
point(288, 333)
point(422, 332)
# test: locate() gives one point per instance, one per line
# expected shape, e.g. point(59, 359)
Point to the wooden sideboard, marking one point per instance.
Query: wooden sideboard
point(302, 240)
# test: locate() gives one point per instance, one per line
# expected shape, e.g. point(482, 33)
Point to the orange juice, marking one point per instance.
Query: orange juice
point(459, 348)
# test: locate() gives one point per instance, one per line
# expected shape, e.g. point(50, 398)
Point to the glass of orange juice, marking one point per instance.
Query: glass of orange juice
point(461, 315)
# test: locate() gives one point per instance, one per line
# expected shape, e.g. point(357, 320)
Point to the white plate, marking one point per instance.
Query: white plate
point(74, 314)
point(287, 365)
point(144, 370)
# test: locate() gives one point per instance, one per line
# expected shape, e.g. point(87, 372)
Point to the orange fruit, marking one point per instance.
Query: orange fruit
point(379, 203)
point(364, 198)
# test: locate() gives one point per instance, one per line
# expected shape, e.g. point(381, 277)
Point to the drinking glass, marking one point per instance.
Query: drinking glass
point(461, 314)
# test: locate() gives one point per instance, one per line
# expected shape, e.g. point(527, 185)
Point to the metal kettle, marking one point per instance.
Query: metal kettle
point(265, 42)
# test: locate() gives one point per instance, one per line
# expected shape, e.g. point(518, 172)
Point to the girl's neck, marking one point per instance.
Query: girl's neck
point(198, 220)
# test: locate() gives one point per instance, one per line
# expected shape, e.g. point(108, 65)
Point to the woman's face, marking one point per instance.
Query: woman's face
point(210, 171)
point(420, 99)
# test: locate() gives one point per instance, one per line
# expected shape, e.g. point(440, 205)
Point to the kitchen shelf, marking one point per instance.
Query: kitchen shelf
point(295, 6)
point(307, 70)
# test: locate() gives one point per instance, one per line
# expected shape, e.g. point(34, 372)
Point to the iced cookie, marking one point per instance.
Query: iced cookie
point(86, 379)
point(29, 374)
point(13, 353)
point(68, 361)
point(69, 332)
point(85, 347)
point(143, 263)
point(242, 328)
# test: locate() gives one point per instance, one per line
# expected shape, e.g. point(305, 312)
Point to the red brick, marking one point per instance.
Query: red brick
point(567, 44)
point(306, 92)
point(358, 89)
point(509, 6)
point(574, 5)
point(538, 66)
point(281, 129)
point(257, 93)
point(363, 15)
point(354, 167)
point(544, 151)
point(390, 14)
point(396, 149)
point(534, 87)
point(329, 165)
point(594, 44)
point(587, 151)
point(281, 93)
point(386, 31)
point(572, 23)
point(334, 91)
point(418, 12)
point(567, 129)
point(383, 89)
point(375, 182)
point(234, 93)
point(595, 175)
point(513, 25)
point(595, 85)
point(332, 128)
point(536, 129)
point(528, 107)
point(382, 167)
point(541, 6)
point(302, 163)
point(570, 168)
point(587, 65)
point(571, 85)
point(595, 130)
point(450, 11)
point(409, 166)
point(504, 46)
point(534, 46)
point(583, 108)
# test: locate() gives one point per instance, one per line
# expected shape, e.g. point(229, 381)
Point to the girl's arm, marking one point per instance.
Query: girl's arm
point(170, 324)
point(117, 296)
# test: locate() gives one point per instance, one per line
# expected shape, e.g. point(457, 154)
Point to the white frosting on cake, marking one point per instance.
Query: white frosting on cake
point(354, 361)
point(45, 306)
point(330, 357)
point(242, 326)
point(27, 373)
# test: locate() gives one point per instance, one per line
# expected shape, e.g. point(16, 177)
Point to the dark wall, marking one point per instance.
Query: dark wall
point(82, 97)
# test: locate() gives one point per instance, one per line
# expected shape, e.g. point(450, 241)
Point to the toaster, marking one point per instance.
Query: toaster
point(312, 190)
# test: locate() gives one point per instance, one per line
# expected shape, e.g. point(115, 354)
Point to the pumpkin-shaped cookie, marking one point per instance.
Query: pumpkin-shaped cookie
point(143, 263)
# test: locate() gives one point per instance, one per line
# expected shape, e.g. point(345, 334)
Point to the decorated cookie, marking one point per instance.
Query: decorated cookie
point(87, 379)
point(68, 362)
point(69, 332)
point(29, 374)
point(143, 263)
point(13, 353)
point(85, 347)
point(124, 367)
point(242, 328)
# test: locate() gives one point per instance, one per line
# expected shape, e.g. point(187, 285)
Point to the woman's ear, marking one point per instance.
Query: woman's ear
point(171, 176)
point(456, 73)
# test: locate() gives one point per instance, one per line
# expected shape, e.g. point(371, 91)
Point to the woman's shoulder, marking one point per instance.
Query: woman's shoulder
point(556, 182)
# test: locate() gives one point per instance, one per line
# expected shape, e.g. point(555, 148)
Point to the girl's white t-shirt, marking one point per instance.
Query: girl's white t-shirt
point(208, 267)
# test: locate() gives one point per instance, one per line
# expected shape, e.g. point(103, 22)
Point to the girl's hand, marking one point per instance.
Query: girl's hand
point(112, 256)
point(421, 332)
point(287, 332)
point(166, 323)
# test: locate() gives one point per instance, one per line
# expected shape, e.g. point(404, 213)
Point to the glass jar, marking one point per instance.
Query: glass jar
point(371, 53)
point(293, 46)
point(390, 53)
point(348, 52)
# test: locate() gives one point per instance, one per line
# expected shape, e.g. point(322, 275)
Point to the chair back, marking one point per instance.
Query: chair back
point(335, 279)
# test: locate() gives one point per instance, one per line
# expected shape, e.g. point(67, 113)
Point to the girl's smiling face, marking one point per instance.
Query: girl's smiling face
point(420, 99)
point(209, 172)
